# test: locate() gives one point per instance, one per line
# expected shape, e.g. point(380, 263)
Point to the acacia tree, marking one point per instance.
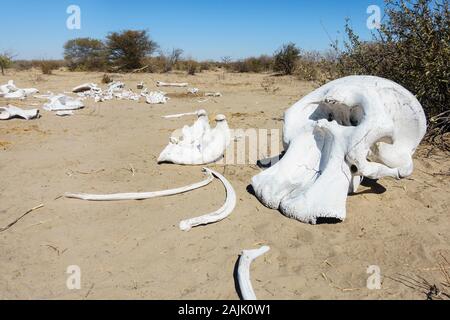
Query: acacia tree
point(127, 49)
point(85, 54)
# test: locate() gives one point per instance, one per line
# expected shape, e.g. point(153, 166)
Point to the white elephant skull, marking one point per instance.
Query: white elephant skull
point(354, 127)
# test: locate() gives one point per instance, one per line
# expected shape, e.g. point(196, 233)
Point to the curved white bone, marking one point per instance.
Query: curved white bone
point(141, 195)
point(247, 257)
point(9, 112)
point(204, 146)
point(218, 215)
point(169, 84)
point(357, 126)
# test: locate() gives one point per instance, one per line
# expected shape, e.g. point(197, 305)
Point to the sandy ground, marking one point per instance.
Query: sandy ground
point(135, 250)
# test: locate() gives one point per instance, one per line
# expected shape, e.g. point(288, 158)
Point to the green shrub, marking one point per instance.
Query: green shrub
point(5, 61)
point(412, 48)
point(286, 58)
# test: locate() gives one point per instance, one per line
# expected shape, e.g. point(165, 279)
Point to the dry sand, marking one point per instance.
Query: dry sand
point(135, 250)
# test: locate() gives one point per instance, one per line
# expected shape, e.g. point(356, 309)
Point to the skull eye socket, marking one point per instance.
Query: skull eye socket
point(342, 114)
point(354, 169)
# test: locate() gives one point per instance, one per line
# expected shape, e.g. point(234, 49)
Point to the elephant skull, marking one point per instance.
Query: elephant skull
point(353, 127)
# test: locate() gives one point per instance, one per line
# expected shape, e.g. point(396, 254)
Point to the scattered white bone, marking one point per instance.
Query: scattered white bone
point(115, 90)
point(330, 134)
point(127, 95)
point(179, 115)
point(245, 284)
point(19, 95)
point(116, 86)
point(10, 91)
point(9, 112)
point(193, 90)
point(64, 113)
point(141, 195)
point(155, 97)
point(9, 87)
point(62, 102)
point(201, 147)
point(85, 87)
point(218, 215)
point(168, 84)
point(213, 94)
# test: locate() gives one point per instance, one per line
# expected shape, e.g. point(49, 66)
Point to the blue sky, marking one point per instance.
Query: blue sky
point(203, 29)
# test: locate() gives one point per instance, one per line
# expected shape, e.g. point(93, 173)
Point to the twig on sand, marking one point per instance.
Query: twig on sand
point(17, 220)
point(334, 286)
point(56, 249)
point(89, 291)
point(71, 172)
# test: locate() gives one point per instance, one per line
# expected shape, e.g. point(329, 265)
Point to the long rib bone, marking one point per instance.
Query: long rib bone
point(141, 195)
point(179, 115)
point(247, 257)
point(215, 216)
point(168, 84)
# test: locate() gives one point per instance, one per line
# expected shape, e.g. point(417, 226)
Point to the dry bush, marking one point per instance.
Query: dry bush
point(192, 67)
point(259, 64)
point(170, 60)
point(411, 48)
point(47, 66)
point(107, 79)
point(316, 66)
point(206, 65)
point(286, 58)
point(22, 65)
point(155, 64)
